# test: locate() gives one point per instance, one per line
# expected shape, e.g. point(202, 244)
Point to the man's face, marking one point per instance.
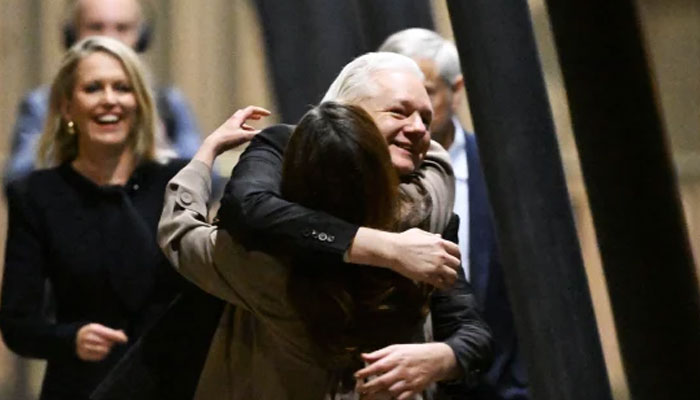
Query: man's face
point(118, 19)
point(401, 109)
point(441, 97)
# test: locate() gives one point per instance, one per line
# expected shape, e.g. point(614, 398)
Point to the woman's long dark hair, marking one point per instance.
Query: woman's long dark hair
point(338, 162)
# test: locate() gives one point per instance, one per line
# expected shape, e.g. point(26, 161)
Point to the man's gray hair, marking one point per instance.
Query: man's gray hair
point(356, 81)
point(419, 43)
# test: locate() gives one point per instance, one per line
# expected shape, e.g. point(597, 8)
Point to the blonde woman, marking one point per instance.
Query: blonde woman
point(86, 224)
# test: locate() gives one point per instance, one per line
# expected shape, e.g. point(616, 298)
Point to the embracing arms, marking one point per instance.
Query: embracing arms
point(195, 247)
point(460, 352)
point(252, 200)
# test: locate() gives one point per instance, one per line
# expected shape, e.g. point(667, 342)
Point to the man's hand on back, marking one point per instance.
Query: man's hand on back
point(404, 370)
point(415, 254)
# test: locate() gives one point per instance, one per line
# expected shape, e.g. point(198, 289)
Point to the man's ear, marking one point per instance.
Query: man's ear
point(457, 89)
point(458, 84)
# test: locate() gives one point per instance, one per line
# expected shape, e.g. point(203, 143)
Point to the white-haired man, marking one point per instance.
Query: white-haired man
point(439, 61)
point(390, 88)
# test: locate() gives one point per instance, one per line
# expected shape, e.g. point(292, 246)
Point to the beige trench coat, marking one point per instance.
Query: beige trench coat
point(261, 349)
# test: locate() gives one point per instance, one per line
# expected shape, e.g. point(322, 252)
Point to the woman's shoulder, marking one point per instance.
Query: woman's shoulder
point(174, 165)
point(162, 170)
point(44, 189)
point(36, 182)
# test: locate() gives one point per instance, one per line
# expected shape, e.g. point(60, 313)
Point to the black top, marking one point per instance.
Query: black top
point(96, 247)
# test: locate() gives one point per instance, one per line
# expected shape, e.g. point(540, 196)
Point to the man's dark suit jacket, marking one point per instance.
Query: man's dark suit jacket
point(506, 379)
point(252, 202)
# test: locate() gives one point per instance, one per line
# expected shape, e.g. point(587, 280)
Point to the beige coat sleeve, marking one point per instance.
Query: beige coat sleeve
point(212, 260)
point(435, 179)
point(188, 240)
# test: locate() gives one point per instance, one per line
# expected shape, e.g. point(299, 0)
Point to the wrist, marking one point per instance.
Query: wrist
point(391, 251)
point(446, 361)
point(207, 152)
point(372, 247)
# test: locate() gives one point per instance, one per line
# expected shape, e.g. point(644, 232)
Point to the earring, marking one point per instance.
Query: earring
point(71, 128)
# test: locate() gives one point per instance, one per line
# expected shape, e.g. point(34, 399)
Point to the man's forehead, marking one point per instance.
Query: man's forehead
point(391, 74)
point(402, 87)
point(109, 10)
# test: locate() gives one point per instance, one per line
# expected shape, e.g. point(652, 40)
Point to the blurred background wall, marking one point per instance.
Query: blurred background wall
point(214, 51)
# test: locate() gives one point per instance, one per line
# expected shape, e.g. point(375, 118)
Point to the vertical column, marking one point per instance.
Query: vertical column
point(632, 191)
point(307, 43)
point(381, 18)
point(519, 152)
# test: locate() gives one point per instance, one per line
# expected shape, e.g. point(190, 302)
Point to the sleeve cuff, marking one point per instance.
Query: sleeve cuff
point(193, 187)
point(66, 334)
point(468, 376)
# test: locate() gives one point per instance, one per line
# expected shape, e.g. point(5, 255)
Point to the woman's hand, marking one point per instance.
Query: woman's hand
point(230, 134)
point(94, 341)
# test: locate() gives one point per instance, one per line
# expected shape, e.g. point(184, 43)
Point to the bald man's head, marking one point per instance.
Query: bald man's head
point(118, 19)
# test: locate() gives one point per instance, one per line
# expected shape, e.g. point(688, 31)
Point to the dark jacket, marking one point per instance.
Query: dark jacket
point(96, 248)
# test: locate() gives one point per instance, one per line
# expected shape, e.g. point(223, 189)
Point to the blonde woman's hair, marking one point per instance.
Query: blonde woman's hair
point(56, 144)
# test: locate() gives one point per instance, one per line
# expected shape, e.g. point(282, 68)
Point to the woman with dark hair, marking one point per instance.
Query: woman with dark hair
point(337, 162)
point(297, 325)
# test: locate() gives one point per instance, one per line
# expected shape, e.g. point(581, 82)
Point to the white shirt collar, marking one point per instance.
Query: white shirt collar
point(458, 151)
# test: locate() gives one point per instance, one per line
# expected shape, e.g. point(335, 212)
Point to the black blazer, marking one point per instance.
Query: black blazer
point(96, 248)
point(252, 198)
point(252, 201)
